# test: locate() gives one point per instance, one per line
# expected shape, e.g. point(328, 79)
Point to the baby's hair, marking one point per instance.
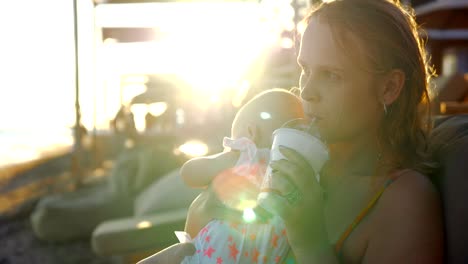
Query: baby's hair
point(269, 110)
point(273, 90)
point(275, 100)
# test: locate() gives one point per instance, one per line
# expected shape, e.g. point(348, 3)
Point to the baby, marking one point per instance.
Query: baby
point(235, 176)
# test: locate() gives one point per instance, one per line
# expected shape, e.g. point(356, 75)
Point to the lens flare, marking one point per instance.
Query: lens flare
point(265, 115)
point(194, 148)
point(144, 224)
point(249, 215)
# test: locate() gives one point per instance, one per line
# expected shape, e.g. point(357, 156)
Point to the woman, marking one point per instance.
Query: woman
point(365, 80)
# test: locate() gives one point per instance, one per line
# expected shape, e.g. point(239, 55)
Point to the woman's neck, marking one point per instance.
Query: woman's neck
point(358, 157)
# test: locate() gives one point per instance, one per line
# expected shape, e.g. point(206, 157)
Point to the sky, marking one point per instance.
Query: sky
point(37, 84)
point(37, 63)
point(208, 47)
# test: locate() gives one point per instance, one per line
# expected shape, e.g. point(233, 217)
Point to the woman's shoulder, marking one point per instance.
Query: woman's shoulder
point(408, 192)
point(409, 209)
point(409, 186)
point(408, 221)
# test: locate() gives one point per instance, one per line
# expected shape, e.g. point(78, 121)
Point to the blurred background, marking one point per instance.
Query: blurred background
point(199, 55)
point(85, 81)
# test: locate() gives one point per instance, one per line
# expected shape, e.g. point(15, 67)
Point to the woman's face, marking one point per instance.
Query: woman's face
point(335, 90)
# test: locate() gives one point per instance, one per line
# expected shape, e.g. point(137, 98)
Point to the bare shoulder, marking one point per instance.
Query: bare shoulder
point(410, 189)
point(411, 199)
point(407, 224)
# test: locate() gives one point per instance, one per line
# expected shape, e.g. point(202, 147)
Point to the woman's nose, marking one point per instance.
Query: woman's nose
point(309, 93)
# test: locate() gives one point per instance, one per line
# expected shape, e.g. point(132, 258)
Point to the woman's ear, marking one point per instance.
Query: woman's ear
point(392, 86)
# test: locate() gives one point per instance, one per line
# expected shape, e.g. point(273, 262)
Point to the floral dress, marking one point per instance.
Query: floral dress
point(222, 242)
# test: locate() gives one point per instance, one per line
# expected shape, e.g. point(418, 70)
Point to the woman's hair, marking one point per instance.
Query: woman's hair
point(391, 39)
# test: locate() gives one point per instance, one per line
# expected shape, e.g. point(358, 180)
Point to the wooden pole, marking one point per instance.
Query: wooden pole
point(76, 154)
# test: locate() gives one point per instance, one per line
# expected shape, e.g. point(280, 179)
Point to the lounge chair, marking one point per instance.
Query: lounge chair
point(159, 211)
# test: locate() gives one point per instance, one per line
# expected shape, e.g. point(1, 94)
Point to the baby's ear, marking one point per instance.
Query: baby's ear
point(253, 131)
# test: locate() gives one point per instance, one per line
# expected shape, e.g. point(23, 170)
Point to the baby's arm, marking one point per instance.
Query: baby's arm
point(199, 172)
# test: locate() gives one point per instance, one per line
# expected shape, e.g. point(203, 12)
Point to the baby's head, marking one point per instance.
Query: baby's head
point(263, 114)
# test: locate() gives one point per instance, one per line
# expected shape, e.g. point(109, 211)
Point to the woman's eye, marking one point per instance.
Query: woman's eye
point(331, 76)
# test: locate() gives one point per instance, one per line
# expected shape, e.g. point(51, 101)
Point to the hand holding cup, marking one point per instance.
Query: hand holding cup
point(301, 136)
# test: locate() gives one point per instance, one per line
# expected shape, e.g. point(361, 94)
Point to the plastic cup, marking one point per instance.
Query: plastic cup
point(309, 146)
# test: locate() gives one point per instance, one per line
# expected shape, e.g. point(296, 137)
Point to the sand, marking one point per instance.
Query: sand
point(19, 193)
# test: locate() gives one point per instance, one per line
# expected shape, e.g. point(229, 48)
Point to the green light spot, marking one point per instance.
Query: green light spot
point(249, 215)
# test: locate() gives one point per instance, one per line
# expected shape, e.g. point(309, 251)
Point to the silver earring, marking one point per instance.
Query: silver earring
point(385, 109)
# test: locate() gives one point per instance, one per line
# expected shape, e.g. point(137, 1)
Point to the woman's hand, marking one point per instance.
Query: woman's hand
point(304, 219)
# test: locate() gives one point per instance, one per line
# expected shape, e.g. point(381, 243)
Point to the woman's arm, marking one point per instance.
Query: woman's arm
point(305, 219)
point(199, 172)
point(408, 224)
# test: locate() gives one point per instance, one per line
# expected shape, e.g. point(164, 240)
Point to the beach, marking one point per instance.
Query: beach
point(22, 183)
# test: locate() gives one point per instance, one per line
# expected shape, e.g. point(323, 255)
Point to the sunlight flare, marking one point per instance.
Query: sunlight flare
point(249, 215)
